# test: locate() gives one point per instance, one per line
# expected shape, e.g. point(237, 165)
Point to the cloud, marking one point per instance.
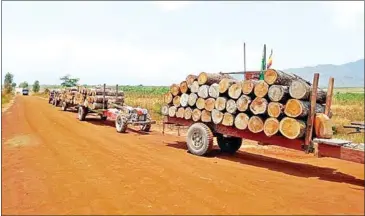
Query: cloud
point(172, 5)
point(347, 14)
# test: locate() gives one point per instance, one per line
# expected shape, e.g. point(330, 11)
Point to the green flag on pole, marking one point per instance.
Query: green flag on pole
point(263, 63)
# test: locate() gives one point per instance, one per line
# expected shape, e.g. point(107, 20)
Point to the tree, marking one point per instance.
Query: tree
point(36, 86)
point(67, 81)
point(23, 84)
point(8, 81)
point(13, 85)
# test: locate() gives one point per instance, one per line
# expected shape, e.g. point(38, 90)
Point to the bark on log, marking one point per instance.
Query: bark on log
point(271, 126)
point(228, 119)
point(210, 78)
point(194, 87)
point(225, 83)
point(214, 90)
point(176, 101)
point(108, 92)
point(96, 106)
point(192, 99)
point(172, 111)
point(292, 128)
point(248, 86)
point(196, 115)
point(168, 97)
point(235, 91)
point(255, 124)
point(187, 113)
point(184, 87)
point(200, 103)
point(116, 101)
point(209, 104)
point(217, 116)
point(180, 112)
point(278, 93)
point(165, 110)
point(278, 77)
point(258, 106)
point(175, 89)
point(203, 91)
point(220, 103)
point(297, 108)
point(231, 106)
point(323, 126)
point(241, 121)
point(261, 89)
point(190, 79)
point(275, 109)
point(206, 116)
point(99, 99)
point(301, 90)
point(243, 102)
point(184, 98)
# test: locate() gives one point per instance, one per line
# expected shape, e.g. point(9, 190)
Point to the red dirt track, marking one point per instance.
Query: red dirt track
point(54, 164)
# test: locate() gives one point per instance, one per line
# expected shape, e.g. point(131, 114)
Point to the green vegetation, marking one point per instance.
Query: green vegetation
point(67, 81)
point(36, 87)
point(8, 83)
point(23, 85)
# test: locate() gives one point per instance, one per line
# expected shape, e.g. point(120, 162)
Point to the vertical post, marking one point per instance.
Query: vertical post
point(244, 56)
point(329, 96)
point(104, 96)
point(311, 114)
point(116, 93)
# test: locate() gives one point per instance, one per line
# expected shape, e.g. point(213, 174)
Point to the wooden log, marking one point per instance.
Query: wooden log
point(200, 103)
point(243, 102)
point(228, 119)
point(192, 99)
point(278, 93)
point(214, 90)
point(210, 78)
point(209, 104)
point(116, 101)
point(206, 116)
point(323, 126)
point(278, 77)
point(292, 128)
point(235, 91)
point(184, 87)
point(180, 112)
point(248, 86)
point(261, 89)
point(196, 115)
point(231, 106)
point(172, 111)
point(190, 79)
point(194, 87)
point(165, 110)
point(187, 113)
point(241, 121)
point(175, 89)
point(258, 106)
point(275, 109)
point(184, 99)
point(217, 116)
point(203, 91)
point(220, 103)
point(99, 99)
point(271, 126)
point(176, 101)
point(225, 83)
point(96, 106)
point(297, 108)
point(301, 90)
point(255, 124)
point(329, 97)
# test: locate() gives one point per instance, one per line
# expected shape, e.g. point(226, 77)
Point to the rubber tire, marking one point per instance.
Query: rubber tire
point(81, 113)
point(64, 106)
point(103, 117)
point(146, 127)
point(207, 139)
point(120, 128)
point(229, 144)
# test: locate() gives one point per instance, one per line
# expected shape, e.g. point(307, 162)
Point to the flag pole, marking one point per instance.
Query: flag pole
point(244, 56)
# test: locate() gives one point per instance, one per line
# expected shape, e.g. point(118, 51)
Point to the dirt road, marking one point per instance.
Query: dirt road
point(54, 164)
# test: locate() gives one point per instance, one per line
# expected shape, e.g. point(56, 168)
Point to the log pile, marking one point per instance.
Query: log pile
point(277, 105)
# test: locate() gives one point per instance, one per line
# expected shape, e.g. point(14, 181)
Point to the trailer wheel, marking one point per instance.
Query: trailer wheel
point(64, 106)
point(146, 127)
point(120, 124)
point(103, 117)
point(199, 139)
point(81, 114)
point(229, 144)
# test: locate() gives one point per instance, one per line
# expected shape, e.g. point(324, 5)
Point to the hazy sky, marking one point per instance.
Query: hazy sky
point(158, 43)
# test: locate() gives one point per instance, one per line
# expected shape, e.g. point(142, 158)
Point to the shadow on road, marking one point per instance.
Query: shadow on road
point(95, 120)
point(278, 165)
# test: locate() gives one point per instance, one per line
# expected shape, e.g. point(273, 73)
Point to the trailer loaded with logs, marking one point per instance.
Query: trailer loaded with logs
point(282, 109)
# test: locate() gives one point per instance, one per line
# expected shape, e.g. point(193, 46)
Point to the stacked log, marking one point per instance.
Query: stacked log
point(94, 97)
point(278, 105)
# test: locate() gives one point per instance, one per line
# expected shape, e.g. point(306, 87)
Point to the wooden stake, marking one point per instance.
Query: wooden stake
point(329, 96)
point(311, 116)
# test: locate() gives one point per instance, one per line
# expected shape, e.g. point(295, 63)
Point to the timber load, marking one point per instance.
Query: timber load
point(278, 105)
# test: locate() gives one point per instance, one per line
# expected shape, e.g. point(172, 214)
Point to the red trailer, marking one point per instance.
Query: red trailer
point(200, 135)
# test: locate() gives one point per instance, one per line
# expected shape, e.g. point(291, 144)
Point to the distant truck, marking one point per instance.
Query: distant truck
point(25, 91)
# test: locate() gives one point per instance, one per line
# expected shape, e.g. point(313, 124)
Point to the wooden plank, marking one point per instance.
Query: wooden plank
point(355, 126)
point(358, 123)
point(329, 96)
point(340, 152)
point(311, 115)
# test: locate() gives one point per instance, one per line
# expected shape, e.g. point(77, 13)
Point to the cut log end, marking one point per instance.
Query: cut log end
point(235, 91)
point(299, 89)
point(275, 109)
point(294, 108)
point(176, 101)
point(278, 93)
point(243, 102)
point(180, 112)
point(184, 99)
point(192, 99)
point(206, 116)
point(175, 89)
point(188, 113)
point(209, 104)
point(203, 91)
point(194, 87)
point(165, 110)
point(168, 97)
point(241, 121)
point(271, 126)
point(258, 106)
point(231, 106)
point(196, 115)
point(172, 111)
point(200, 103)
point(220, 103)
point(214, 90)
point(256, 124)
point(248, 86)
point(190, 79)
point(323, 126)
point(292, 128)
point(270, 76)
point(228, 119)
point(261, 89)
point(217, 116)
point(184, 87)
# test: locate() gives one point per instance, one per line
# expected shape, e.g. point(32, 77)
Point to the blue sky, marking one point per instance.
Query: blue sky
point(159, 43)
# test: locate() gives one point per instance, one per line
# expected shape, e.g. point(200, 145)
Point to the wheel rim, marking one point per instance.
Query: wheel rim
point(197, 140)
point(80, 112)
point(119, 123)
